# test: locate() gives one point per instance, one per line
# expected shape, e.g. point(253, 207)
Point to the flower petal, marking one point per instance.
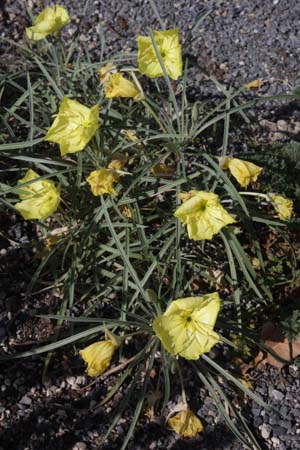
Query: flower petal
point(118, 86)
point(186, 327)
point(186, 423)
point(283, 205)
point(50, 20)
point(203, 214)
point(170, 51)
point(39, 199)
point(74, 126)
point(102, 181)
point(98, 356)
point(245, 172)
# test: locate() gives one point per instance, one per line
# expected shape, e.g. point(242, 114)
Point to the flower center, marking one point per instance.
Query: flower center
point(86, 124)
point(202, 206)
point(188, 319)
point(163, 53)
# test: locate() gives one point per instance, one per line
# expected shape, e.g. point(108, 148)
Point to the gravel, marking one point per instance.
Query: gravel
point(238, 42)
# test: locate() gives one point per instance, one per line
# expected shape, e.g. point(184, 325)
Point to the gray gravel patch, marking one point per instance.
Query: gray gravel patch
point(238, 42)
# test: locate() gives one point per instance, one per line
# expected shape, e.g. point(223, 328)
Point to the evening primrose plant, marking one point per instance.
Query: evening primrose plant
point(149, 237)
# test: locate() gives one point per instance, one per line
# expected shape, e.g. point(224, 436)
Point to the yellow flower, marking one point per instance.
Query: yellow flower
point(50, 20)
point(244, 172)
point(283, 205)
point(39, 199)
point(74, 126)
point(203, 214)
point(118, 86)
point(185, 423)
point(170, 51)
point(98, 356)
point(118, 162)
point(105, 72)
point(102, 181)
point(186, 327)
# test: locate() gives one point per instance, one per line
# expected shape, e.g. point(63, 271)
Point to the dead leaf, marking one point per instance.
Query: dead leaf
point(255, 84)
point(274, 339)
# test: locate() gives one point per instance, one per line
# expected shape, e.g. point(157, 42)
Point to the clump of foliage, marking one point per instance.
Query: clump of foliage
point(144, 231)
point(281, 166)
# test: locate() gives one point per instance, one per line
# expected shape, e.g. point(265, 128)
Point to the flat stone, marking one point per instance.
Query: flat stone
point(276, 441)
point(79, 446)
point(285, 424)
point(265, 431)
point(277, 395)
point(279, 431)
point(71, 381)
point(25, 401)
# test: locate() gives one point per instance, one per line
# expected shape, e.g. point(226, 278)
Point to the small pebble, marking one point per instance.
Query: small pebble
point(275, 441)
point(277, 395)
point(25, 401)
point(265, 431)
point(79, 446)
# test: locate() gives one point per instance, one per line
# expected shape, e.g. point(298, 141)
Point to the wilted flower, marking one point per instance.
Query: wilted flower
point(118, 86)
point(126, 212)
point(50, 20)
point(254, 84)
point(105, 72)
point(162, 169)
point(74, 126)
point(39, 199)
point(130, 134)
point(203, 214)
point(118, 162)
point(244, 172)
point(185, 423)
point(283, 205)
point(186, 327)
point(170, 51)
point(102, 181)
point(54, 236)
point(98, 356)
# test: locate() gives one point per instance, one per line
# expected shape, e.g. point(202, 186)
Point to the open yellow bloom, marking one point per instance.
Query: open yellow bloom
point(118, 86)
point(203, 214)
point(186, 423)
point(74, 126)
point(186, 327)
point(102, 181)
point(50, 20)
point(98, 356)
point(170, 51)
point(39, 199)
point(283, 205)
point(244, 172)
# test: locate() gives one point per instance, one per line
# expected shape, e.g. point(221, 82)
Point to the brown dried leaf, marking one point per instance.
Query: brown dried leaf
point(279, 344)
